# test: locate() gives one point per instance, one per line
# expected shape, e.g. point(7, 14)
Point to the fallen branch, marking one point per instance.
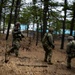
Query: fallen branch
point(32, 65)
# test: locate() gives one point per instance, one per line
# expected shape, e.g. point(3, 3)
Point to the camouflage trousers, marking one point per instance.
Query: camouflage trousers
point(48, 53)
point(69, 58)
point(69, 62)
point(15, 48)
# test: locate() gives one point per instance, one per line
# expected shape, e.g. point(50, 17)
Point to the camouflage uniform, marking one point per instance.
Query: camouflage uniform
point(48, 44)
point(70, 51)
point(17, 36)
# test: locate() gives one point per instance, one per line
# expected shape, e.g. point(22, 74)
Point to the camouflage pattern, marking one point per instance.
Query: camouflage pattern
point(17, 37)
point(70, 50)
point(48, 44)
point(17, 23)
point(51, 29)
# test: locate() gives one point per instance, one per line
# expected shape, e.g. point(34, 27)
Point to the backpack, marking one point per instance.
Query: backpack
point(72, 47)
point(71, 51)
point(45, 38)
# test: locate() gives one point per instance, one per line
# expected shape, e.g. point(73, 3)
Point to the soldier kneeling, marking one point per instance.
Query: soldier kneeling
point(70, 50)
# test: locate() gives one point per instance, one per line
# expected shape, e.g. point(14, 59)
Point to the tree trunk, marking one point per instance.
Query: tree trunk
point(33, 31)
point(37, 34)
point(45, 11)
point(27, 29)
point(17, 8)
point(1, 2)
point(73, 20)
point(10, 19)
point(4, 23)
point(64, 22)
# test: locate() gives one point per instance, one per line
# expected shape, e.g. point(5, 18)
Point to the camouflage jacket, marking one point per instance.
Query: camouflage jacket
point(16, 34)
point(48, 40)
point(71, 49)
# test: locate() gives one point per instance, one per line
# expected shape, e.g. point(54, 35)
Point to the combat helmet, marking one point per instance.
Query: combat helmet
point(51, 29)
point(17, 24)
point(70, 38)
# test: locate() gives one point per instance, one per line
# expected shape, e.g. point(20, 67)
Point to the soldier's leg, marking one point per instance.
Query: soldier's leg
point(45, 49)
point(16, 52)
point(17, 49)
point(11, 50)
point(46, 55)
point(50, 56)
point(69, 62)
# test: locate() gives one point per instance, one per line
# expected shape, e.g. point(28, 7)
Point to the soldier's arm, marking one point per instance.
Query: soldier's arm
point(21, 35)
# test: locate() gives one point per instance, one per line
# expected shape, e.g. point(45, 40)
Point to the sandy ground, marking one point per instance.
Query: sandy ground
point(30, 60)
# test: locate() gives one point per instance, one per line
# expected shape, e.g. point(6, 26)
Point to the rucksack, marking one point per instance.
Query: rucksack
point(45, 38)
point(72, 46)
point(46, 42)
point(71, 51)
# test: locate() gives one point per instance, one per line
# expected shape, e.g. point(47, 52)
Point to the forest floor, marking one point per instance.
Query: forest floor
point(30, 59)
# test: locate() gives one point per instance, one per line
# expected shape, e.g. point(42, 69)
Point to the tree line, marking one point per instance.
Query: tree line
point(43, 13)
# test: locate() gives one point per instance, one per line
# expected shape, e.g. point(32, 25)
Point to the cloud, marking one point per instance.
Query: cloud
point(27, 1)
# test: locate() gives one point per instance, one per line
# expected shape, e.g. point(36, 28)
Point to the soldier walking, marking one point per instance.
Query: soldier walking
point(48, 45)
point(70, 50)
point(17, 37)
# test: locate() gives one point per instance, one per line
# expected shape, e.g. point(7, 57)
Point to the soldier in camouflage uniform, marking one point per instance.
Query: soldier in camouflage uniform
point(48, 45)
point(70, 50)
point(17, 37)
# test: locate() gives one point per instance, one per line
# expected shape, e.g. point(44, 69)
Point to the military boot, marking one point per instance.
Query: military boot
point(16, 55)
point(6, 57)
point(69, 63)
point(50, 63)
point(69, 66)
point(45, 60)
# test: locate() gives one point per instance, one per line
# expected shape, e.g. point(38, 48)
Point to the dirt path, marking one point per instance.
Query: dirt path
point(30, 62)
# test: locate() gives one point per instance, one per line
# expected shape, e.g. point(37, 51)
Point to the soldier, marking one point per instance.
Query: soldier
point(70, 50)
point(48, 45)
point(17, 37)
